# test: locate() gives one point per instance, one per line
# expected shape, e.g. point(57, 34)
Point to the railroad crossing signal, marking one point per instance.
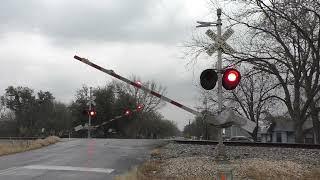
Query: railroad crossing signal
point(220, 42)
point(230, 79)
point(164, 98)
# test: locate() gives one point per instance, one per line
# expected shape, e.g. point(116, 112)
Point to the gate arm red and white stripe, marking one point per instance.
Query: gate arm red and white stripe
point(137, 85)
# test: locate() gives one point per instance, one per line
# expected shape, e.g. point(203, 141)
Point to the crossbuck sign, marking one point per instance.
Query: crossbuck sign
point(91, 101)
point(220, 42)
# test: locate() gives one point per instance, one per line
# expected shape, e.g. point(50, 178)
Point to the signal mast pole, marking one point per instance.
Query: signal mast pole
point(89, 128)
point(221, 154)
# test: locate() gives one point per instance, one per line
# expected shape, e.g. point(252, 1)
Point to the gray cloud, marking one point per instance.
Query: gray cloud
point(94, 20)
point(137, 37)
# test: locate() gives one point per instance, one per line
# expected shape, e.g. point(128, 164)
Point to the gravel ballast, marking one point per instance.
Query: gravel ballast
point(197, 161)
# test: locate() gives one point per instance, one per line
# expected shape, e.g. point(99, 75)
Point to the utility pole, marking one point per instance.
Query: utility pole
point(90, 97)
point(91, 112)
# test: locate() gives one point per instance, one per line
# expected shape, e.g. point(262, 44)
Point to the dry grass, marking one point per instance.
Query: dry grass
point(131, 175)
point(146, 171)
point(149, 170)
point(15, 147)
point(155, 153)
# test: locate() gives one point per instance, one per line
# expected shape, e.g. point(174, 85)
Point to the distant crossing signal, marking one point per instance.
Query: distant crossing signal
point(92, 113)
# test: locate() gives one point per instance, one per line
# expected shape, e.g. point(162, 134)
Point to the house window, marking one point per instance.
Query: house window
point(279, 137)
point(308, 141)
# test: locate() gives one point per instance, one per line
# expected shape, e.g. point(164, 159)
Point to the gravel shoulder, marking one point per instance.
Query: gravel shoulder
point(185, 161)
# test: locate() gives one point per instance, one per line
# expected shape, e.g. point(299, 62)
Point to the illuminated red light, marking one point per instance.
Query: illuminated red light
point(128, 112)
point(140, 107)
point(231, 78)
point(137, 84)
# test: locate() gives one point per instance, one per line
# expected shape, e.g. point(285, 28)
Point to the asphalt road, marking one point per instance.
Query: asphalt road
point(77, 159)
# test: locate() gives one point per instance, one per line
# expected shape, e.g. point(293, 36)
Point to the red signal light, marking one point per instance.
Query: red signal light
point(232, 76)
point(140, 107)
point(137, 84)
point(92, 113)
point(231, 79)
point(127, 112)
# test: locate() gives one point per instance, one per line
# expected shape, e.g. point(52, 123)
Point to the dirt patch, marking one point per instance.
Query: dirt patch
point(21, 146)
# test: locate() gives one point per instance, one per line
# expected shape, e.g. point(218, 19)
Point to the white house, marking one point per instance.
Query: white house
point(282, 131)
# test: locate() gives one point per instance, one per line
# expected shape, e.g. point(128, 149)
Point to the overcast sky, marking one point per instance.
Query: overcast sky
point(133, 37)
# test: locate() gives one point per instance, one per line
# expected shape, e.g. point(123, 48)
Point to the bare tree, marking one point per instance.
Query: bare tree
point(150, 102)
point(314, 114)
point(283, 40)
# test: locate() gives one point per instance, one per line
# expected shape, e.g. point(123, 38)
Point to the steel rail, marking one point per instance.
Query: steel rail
point(251, 144)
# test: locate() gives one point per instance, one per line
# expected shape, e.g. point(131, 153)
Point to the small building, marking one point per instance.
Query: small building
point(282, 131)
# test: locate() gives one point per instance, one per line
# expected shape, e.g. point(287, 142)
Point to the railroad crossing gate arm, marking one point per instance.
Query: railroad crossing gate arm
point(228, 118)
point(137, 85)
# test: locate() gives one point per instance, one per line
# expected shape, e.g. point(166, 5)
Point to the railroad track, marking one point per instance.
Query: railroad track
point(253, 144)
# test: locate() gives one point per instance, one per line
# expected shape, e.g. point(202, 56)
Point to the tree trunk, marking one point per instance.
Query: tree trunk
point(255, 133)
point(316, 128)
point(316, 123)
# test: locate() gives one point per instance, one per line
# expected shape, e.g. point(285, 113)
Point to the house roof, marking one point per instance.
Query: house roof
point(263, 130)
point(286, 124)
point(308, 124)
point(283, 124)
